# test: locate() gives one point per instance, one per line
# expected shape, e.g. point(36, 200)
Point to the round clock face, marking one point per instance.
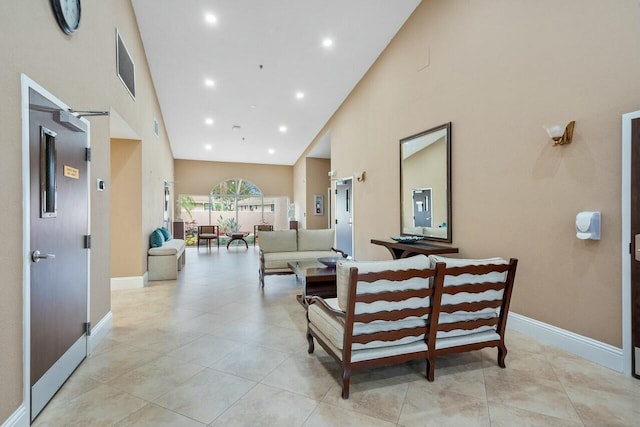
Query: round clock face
point(67, 14)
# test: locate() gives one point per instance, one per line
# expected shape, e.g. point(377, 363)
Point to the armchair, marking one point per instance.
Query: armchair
point(382, 314)
point(208, 233)
point(474, 307)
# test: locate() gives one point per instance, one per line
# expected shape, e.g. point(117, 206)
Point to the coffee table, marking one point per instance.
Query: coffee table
point(316, 279)
point(237, 236)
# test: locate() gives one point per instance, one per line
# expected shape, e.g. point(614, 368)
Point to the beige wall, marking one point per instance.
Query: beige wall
point(499, 70)
point(300, 191)
point(317, 182)
point(80, 70)
point(199, 177)
point(126, 208)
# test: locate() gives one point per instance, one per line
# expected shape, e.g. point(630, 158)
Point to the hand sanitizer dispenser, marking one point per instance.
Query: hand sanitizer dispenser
point(588, 225)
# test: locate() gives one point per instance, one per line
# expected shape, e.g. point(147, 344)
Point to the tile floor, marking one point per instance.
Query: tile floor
point(212, 349)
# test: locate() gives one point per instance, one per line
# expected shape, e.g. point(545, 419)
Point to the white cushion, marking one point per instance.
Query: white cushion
point(464, 297)
point(342, 277)
point(333, 328)
point(169, 247)
point(315, 240)
point(278, 241)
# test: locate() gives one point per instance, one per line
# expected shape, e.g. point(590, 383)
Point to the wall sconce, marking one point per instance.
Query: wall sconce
point(361, 177)
point(561, 135)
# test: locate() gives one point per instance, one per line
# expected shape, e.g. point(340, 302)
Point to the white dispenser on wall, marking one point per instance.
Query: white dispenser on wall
point(588, 225)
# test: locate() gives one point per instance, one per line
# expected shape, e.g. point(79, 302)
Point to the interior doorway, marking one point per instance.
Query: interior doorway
point(344, 215)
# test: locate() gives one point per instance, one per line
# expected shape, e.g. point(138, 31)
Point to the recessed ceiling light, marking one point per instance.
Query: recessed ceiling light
point(283, 129)
point(209, 82)
point(272, 151)
point(327, 42)
point(208, 121)
point(235, 128)
point(210, 18)
point(299, 95)
point(252, 106)
point(208, 147)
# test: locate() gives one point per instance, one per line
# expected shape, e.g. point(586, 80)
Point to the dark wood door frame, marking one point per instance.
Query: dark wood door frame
point(630, 228)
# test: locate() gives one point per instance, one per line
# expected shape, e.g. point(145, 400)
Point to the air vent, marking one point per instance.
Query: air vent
point(156, 127)
point(125, 66)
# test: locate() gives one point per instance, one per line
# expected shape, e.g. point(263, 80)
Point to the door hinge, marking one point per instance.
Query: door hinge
point(87, 328)
point(336, 220)
point(88, 154)
point(87, 241)
point(336, 191)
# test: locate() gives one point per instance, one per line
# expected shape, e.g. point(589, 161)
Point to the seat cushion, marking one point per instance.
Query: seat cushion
point(333, 328)
point(315, 240)
point(342, 276)
point(278, 241)
point(172, 247)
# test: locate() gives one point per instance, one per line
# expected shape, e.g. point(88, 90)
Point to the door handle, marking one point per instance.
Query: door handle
point(637, 246)
point(37, 256)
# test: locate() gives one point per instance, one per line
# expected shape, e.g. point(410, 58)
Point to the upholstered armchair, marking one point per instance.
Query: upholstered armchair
point(381, 315)
point(472, 313)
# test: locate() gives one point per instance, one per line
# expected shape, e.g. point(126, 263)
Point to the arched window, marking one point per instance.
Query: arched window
point(235, 195)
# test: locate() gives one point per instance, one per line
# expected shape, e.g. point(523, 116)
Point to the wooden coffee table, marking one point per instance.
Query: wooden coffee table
point(316, 279)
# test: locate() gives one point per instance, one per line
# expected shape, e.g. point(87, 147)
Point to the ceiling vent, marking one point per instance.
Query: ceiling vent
point(125, 66)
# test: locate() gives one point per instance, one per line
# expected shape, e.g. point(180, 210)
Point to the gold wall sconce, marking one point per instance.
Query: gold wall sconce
point(361, 177)
point(560, 134)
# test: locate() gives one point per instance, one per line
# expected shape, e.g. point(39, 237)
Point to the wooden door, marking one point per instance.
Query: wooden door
point(59, 209)
point(635, 239)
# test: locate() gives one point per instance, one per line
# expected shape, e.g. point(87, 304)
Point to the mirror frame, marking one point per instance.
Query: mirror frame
point(449, 237)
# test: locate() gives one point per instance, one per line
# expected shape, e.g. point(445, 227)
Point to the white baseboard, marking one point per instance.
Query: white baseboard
point(19, 418)
point(133, 282)
point(595, 351)
point(99, 331)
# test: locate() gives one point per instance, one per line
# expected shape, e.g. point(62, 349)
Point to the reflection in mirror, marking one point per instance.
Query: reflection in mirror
point(425, 184)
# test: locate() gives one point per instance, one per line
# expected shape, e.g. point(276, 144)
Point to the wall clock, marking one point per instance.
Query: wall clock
point(67, 13)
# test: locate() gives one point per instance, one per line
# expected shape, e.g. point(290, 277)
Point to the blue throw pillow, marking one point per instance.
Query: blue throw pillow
point(157, 239)
point(165, 234)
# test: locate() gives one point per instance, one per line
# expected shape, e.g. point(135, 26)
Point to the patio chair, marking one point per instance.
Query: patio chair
point(381, 316)
point(208, 233)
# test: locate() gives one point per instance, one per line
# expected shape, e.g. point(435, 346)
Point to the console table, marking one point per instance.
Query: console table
point(404, 250)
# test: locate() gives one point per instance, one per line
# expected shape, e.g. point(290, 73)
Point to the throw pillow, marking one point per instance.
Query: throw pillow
point(157, 239)
point(165, 234)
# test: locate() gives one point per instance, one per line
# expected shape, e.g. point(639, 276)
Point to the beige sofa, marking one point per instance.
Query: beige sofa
point(277, 248)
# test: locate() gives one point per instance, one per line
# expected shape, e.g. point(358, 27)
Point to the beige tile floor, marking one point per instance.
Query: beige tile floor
point(213, 349)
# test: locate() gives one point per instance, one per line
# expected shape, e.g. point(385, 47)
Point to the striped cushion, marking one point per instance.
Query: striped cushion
point(342, 278)
point(463, 297)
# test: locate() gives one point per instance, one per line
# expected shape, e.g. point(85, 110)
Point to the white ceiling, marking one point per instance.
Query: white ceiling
point(285, 37)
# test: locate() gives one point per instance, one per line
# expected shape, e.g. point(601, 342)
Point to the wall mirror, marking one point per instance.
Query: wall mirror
point(425, 184)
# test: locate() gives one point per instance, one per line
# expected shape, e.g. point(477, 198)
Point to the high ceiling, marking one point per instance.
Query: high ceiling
point(259, 55)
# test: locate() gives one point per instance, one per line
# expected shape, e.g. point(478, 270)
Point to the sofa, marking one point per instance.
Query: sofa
point(278, 248)
point(417, 308)
point(165, 257)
